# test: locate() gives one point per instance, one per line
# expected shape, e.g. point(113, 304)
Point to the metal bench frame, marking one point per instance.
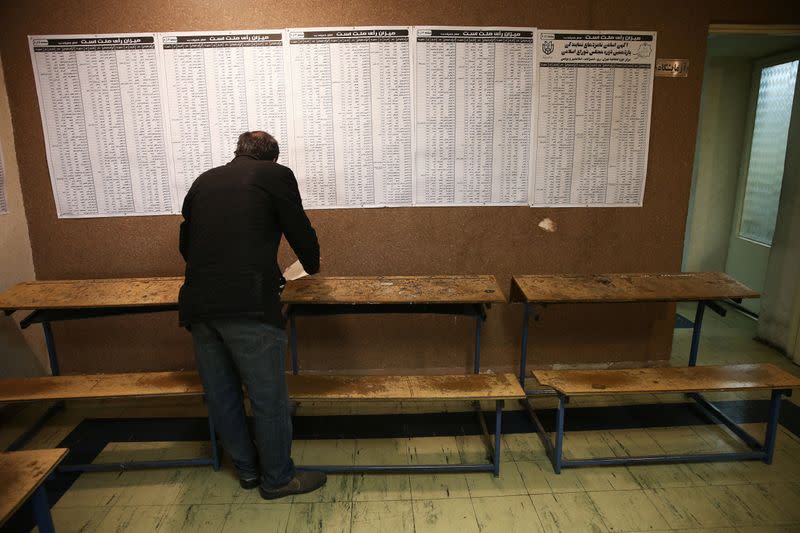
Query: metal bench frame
point(554, 448)
point(759, 451)
point(477, 310)
point(45, 317)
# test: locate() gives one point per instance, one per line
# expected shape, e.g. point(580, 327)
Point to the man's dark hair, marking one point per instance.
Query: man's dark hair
point(258, 144)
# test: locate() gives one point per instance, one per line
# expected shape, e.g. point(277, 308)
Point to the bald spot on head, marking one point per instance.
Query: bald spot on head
point(258, 144)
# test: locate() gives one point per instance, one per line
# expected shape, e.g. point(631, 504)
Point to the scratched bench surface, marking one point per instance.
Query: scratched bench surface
point(393, 290)
point(21, 473)
point(100, 386)
point(656, 380)
point(91, 293)
point(305, 387)
point(407, 388)
point(667, 287)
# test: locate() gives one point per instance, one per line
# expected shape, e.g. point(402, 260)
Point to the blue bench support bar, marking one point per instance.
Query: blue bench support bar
point(58, 315)
point(523, 358)
point(477, 361)
point(213, 461)
point(136, 465)
point(664, 459)
point(698, 324)
point(712, 412)
point(41, 510)
point(498, 418)
point(493, 466)
point(540, 431)
point(763, 452)
point(772, 424)
point(51, 348)
point(396, 469)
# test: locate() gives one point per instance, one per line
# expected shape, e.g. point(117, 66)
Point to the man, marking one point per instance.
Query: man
point(234, 216)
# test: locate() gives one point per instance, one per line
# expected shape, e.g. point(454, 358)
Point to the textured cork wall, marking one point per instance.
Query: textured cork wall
point(500, 241)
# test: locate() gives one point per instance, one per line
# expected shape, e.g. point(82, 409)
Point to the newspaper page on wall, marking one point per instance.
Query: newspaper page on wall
point(219, 85)
point(593, 128)
point(475, 106)
point(351, 99)
point(3, 197)
point(101, 108)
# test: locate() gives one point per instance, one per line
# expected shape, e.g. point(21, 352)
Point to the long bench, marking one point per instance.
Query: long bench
point(691, 380)
point(22, 475)
point(469, 387)
point(60, 300)
point(536, 292)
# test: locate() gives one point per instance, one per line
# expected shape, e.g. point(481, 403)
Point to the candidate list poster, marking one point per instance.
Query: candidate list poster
point(102, 116)
point(594, 103)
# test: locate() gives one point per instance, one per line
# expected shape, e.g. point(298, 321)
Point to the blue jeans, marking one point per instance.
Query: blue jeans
point(232, 351)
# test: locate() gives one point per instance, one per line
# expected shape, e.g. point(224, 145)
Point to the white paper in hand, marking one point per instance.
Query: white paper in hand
point(295, 271)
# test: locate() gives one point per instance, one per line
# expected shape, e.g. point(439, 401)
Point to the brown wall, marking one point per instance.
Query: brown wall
point(494, 240)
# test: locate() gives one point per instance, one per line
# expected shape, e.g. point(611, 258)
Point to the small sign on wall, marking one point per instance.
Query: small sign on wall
point(672, 68)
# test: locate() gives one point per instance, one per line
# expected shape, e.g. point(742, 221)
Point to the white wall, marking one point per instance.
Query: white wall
point(22, 353)
point(723, 117)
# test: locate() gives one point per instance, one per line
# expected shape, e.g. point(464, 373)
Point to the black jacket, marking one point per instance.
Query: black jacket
point(234, 216)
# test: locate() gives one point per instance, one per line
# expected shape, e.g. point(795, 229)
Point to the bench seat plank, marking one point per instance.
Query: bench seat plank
point(406, 388)
point(393, 290)
point(305, 387)
point(610, 288)
point(21, 473)
point(100, 386)
point(91, 293)
point(662, 380)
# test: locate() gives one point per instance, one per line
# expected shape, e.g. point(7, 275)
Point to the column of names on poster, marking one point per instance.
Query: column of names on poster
point(219, 85)
point(101, 107)
point(474, 115)
point(593, 127)
point(352, 105)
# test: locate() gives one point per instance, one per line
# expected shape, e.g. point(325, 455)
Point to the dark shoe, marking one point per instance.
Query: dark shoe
point(248, 484)
point(303, 481)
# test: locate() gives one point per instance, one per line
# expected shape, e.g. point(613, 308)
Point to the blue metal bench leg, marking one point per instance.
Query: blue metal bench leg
point(498, 417)
point(523, 358)
point(698, 324)
point(293, 344)
point(559, 446)
point(214, 447)
point(51, 348)
point(41, 511)
point(772, 425)
point(477, 363)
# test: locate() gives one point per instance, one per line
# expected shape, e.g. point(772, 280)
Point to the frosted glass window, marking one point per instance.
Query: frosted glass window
point(767, 152)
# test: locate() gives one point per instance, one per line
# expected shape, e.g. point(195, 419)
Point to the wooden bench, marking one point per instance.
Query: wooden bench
point(691, 380)
point(22, 475)
point(103, 386)
point(470, 387)
point(468, 295)
point(705, 288)
point(51, 301)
